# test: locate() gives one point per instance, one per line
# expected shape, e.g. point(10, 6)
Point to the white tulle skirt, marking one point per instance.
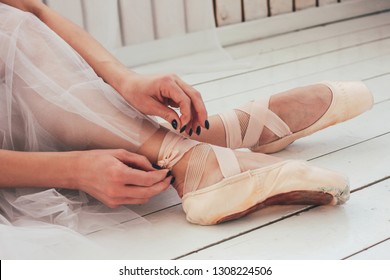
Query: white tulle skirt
point(52, 100)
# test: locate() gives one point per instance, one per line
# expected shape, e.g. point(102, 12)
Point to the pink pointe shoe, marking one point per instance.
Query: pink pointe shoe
point(284, 183)
point(349, 100)
point(240, 193)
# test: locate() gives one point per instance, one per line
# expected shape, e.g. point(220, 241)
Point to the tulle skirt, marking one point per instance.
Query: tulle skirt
point(52, 100)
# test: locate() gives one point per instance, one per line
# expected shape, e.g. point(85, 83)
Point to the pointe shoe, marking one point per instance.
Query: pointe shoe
point(241, 193)
point(349, 99)
point(285, 183)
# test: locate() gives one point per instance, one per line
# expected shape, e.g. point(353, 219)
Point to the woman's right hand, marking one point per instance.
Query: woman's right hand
point(119, 177)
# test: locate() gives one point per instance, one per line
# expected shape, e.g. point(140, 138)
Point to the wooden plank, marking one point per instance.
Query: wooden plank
point(321, 233)
point(252, 30)
point(136, 21)
point(199, 15)
point(291, 47)
point(169, 16)
point(254, 9)
point(296, 69)
point(340, 30)
point(162, 50)
point(380, 251)
point(228, 12)
point(296, 48)
point(278, 7)
point(327, 2)
point(304, 4)
point(71, 9)
point(157, 50)
point(135, 240)
point(101, 20)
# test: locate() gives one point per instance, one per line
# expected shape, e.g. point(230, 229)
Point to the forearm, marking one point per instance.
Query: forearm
point(102, 61)
point(37, 169)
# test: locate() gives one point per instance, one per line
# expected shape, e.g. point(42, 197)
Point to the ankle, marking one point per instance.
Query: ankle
point(197, 169)
point(150, 149)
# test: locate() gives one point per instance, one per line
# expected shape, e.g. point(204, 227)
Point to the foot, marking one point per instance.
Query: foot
point(218, 184)
point(204, 161)
point(210, 197)
point(298, 108)
point(270, 125)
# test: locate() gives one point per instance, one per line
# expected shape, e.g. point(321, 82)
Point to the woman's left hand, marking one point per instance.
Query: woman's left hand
point(155, 95)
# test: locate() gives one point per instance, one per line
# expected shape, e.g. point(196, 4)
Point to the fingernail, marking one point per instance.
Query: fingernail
point(207, 124)
point(183, 128)
point(173, 180)
point(190, 132)
point(168, 174)
point(155, 166)
point(198, 130)
point(174, 124)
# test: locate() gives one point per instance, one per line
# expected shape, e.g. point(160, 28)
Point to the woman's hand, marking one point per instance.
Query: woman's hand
point(154, 95)
point(118, 177)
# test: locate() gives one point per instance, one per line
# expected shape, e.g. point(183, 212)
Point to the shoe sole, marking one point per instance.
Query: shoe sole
point(247, 192)
point(291, 198)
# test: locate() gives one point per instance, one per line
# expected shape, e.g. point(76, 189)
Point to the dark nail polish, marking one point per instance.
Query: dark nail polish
point(174, 124)
point(190, 132)
point(183, 128)
point(155, 166)
point(173, 180)
point(168, 174)
point(198, 130)
point(207, 124)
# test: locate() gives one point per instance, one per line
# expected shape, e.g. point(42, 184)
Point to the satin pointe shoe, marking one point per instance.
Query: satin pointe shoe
point(349, 99)
point(240, 193)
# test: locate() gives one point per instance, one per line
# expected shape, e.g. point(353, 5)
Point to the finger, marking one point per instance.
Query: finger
point(134, 160)
point(196, 101)
point(116, 202)
point(141, 178)
point(167, 114)
point(178, 96)
point(146, 192)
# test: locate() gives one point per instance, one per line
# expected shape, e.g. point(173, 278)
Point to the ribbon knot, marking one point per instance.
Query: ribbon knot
point(168, 158)
point(173, 148)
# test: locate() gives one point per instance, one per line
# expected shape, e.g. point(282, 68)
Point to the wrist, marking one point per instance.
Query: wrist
point(69, 168)
point(116, 74)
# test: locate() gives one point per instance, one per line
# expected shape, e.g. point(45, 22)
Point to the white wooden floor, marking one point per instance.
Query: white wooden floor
point(357, 49)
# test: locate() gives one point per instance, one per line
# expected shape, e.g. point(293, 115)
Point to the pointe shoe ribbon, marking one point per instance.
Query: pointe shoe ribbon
point(172, 149)
point(259, 117)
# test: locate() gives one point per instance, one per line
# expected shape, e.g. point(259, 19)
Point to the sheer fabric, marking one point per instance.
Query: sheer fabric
point(46, 85)
point(52, 100)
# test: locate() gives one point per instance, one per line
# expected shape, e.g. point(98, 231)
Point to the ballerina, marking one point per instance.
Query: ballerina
point(73, 117)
